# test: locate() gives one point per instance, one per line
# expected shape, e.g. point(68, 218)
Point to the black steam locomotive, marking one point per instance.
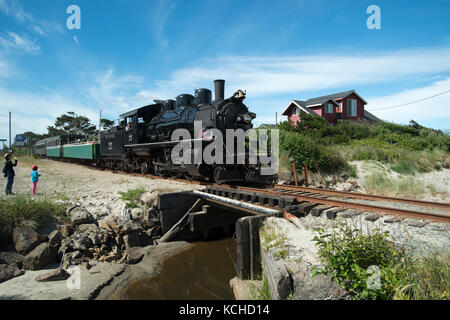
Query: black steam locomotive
point(142, 141)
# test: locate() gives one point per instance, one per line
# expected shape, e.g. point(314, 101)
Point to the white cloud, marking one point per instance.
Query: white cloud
point(114, 92)
point(12, 40)
point(35, 111)
point(159, 17)
point(5, 67)
point(14, 8)
point(433, 108)
point(265, 76)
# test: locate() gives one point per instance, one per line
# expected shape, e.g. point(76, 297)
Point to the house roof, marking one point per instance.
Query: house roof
point(299, 104)
point(370, 116)
point(268, 126)
point(313, 102)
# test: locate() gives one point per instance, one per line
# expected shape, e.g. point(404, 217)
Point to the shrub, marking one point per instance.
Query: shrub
point(348, 253)
point(305, 150)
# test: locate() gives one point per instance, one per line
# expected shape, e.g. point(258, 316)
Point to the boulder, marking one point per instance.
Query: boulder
point(72, 258)
point(54, 275)
point(43, 255)
point(104, 225)
point(9, 271)
point(88, 227)
point(101, 212)
point(132, 240)
point(150, 198)
point(25, 239)
point(11, 257)
point(77, 241)
point(81, 216)
point(134, 255)
point(109, 258)
point(66, 230)
point(55, 238)
point(121, 227)
point(136, 213)
point(150, 218)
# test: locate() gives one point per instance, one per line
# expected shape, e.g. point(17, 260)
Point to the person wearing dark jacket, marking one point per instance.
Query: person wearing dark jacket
point(8, 171)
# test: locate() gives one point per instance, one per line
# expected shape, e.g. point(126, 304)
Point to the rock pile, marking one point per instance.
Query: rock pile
point(88, 238)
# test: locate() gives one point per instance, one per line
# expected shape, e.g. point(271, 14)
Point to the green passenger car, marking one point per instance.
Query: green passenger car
point(54, 152)
point(89, 151)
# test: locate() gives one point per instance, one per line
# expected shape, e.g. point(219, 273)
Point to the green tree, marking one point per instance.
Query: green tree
point(106, 124)
point(71, 123)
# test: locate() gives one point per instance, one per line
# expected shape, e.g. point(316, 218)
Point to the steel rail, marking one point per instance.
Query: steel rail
point(355, 195)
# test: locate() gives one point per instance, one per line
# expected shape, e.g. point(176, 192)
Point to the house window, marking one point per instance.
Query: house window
point(351, 107)
point(329, 108)
point(295, 112)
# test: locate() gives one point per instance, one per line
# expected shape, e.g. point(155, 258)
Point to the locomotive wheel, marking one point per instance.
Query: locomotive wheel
point(144, 168)
point(174, 174)
point(120, 166)
point(160, 172)
point(187, 176)
point(217, 173)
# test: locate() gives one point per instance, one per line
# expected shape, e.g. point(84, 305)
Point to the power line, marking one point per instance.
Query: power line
point(405, 104)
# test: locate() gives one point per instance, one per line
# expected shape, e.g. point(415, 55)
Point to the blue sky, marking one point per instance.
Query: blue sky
point(130, 52)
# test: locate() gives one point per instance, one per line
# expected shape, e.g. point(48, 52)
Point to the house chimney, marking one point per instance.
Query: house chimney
point(219, 89)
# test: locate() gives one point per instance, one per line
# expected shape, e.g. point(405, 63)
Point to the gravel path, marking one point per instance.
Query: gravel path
point(97, 190)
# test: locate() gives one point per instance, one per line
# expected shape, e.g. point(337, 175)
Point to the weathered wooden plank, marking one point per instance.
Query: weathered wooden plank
point(255, 252)
point(243, 249)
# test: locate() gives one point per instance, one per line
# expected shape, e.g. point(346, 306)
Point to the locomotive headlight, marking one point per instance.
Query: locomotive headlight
point(247, 118)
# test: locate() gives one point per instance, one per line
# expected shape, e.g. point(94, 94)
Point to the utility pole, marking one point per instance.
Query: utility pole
point(10, 130)
point(99, 125)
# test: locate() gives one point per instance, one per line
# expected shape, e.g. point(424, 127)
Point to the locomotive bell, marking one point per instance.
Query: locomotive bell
point(239, 95)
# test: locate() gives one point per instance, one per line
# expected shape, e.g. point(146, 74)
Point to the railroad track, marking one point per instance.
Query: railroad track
point(308, 201)
point(354, 195)
point(308, 198)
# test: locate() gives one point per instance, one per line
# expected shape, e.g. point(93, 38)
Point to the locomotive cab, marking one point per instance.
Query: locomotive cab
point(130, 131)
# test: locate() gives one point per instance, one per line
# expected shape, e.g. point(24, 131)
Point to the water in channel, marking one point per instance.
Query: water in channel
point(202, 273)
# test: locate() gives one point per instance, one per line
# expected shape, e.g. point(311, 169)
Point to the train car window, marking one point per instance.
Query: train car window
point(141, 120)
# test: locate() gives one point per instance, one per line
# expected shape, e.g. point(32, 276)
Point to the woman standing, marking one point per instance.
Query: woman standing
point(9, 173)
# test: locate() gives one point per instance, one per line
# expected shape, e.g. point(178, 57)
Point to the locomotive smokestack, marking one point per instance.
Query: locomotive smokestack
point(219, 89)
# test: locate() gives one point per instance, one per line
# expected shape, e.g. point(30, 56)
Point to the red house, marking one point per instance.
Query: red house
point(346, 105)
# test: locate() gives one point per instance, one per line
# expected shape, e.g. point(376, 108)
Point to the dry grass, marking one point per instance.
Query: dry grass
point(379, 183)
